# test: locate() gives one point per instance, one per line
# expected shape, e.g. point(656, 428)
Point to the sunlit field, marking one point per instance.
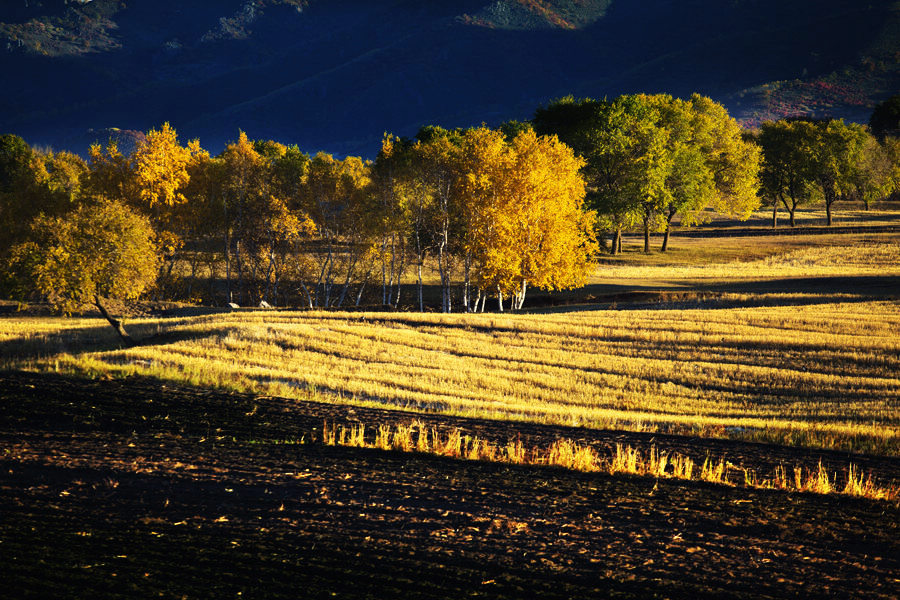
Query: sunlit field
point(823, 374)
point(816, 363)
point(865, 257)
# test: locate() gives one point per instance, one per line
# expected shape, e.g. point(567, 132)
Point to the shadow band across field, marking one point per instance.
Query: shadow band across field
point(698, 293)
point(135, 487)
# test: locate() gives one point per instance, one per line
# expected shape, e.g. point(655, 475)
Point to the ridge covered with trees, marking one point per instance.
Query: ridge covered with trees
point(492, 211)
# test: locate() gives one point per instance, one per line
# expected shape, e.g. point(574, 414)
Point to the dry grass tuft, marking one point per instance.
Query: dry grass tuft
point(415, 437)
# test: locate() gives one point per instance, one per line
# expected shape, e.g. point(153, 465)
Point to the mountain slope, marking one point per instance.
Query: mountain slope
point(336, 74)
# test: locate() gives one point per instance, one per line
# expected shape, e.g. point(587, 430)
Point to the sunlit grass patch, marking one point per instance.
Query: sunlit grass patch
point(626, 459)
point(810, 369)
point(864, 258)
point(820, 374)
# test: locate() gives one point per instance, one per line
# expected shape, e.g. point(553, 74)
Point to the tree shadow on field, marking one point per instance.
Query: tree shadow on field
point(805, 291)
point(865, 286)
point(102, 338)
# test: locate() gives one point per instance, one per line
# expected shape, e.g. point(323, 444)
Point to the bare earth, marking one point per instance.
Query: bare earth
point(132, 488)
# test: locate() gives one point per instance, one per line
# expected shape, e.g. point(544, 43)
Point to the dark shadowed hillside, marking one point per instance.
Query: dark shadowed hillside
point(336, 74)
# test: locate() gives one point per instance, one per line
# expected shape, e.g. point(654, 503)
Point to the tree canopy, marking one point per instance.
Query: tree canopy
point(649, 158)
point(102, 249)
point(492, 211)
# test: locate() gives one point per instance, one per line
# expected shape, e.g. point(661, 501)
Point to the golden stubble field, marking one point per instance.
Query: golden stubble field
point(819, 370)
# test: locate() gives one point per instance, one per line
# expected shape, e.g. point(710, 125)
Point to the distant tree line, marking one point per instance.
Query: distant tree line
point(493, 212)
point(825, 161)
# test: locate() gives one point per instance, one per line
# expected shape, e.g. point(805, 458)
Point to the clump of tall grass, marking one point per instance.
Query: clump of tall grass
point(625, 459)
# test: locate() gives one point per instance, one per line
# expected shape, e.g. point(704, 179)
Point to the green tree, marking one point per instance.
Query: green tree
point(626, 162)
point(713, 166)
point(21, 174)
point(787, 173)
point(103, 249)
point(885, 119)
point(875, 175)
point(836, 153)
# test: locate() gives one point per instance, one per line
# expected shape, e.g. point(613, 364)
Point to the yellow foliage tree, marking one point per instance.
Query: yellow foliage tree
point(161, 167)
point(99, 250)
point(336, 197)
point(525, 218)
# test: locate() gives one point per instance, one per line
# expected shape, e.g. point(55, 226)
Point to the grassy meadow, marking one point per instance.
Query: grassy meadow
point(818, 368)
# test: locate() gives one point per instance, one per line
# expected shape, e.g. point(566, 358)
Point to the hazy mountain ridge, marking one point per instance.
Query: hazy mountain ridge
point(336, 74)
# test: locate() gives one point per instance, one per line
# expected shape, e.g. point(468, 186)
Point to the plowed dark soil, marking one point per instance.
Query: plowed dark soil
point(129, 488)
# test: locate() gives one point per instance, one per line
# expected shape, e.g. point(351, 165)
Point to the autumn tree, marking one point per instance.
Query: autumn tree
point(392, 196)
point(159, 176)
point(110, 174)
point(202, 220)
point(335, 197)
point(102, 249)
point(263, 222)
point(524, 210)
point(485, 164)
point(66, 173)
point(436, 157)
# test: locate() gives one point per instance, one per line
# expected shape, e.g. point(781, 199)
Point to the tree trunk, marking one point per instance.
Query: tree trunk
point(228, 265)
point(499, 299)
point(351, 264)
point(828, 212)
point(521, 299)
point(384, 280)
point(115, 323)
point(616, 243)
point(466, 287)
point(647, 233)
point(308, 295)
point(669, 217)
point(775, 213)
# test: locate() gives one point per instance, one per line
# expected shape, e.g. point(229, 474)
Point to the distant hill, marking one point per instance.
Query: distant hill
point(337, 74)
